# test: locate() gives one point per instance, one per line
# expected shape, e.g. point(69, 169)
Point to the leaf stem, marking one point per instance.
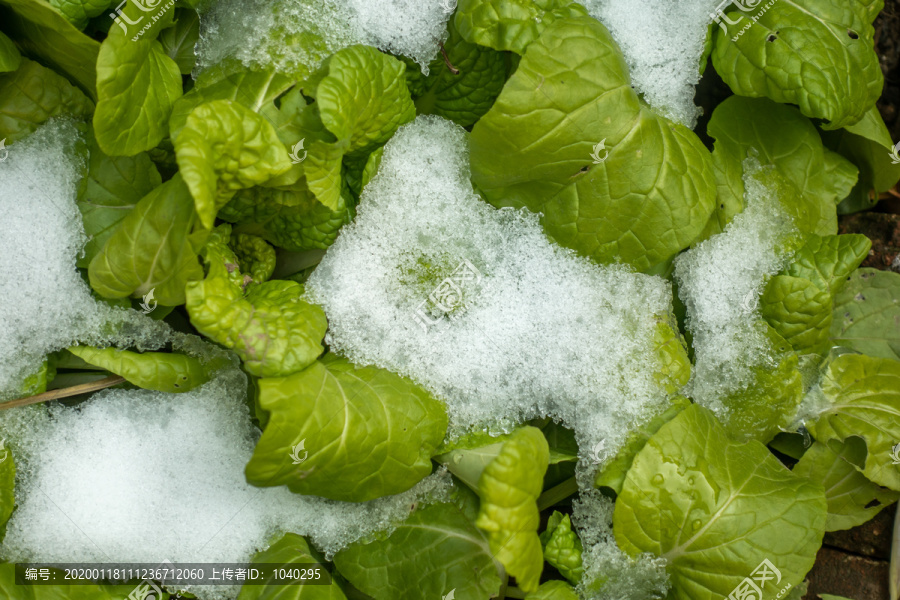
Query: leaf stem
point(557, 493)
point(65, 392)
point(450, 66)
point(514, 592)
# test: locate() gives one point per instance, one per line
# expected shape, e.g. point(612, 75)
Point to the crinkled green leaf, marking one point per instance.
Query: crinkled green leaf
point(137, 85)
point(178, 40)
point(151, 249)
point(368, 432)
point(225, 147)
point(10, 57)
point(852, 499)
point(817, 54)
point(364, 99)
point(781, 136)
point(290, 219)
point(114, 185)
point(612, 473)
point(292, 552)
point(33, 94)
point(562, 548)
point(671, 349)
point(799, 311)
point(509, 488)
point(323, 173)
point(510, 24)
point(828, 261)
point(436, 550)
point(160, 371)
point(860, 396)
point(714, 509)
point(867, 314)
point(255, 256)
point(464, 96)
point(7, 485)
point(78, 12)
point(553, 590)
point(868, 145)
point(648, 199)
point(42, 32)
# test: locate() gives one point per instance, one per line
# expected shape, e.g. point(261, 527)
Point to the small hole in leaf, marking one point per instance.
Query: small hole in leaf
point(771, 37)
point(853, 35)
point(723, 206)
point(872, 504)
point(585, 169)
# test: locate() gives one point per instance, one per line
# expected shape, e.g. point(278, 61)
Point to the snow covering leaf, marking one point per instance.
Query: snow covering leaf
point(161, 371)
point(714, 509)
point(510, 24)
point(31, 95)
point(781, 136)
point(867, 314)
point(368, 432)
point(225, 147)
point(291, 551)
point(645, 202)
point(861, 398)
point(137, 85)
point(852, 499)
point(817, 54)
point(435, 550)
point(151, 249)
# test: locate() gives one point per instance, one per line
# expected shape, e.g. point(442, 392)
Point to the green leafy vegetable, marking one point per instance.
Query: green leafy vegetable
point(867, 314)
point(161, 371)
point(291, 551)
point(10, 57)
point(553, 590)
point(510, 24)
point(562, 548)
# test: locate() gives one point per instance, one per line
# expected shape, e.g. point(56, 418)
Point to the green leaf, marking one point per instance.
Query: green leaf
point(714, 509)
point(33, 94)
point(648, 199)
point(828, 261)
point(817, 54)
point(363, 99)
point(291, 551)
point(612, 473)
point(781, 136)
point(860, 396)
point(464, 96)
point(178, 40)
point(137, 84)
point(849, 494)
point(255, 256)
point(270, 327)
point(434, 551)
point(509, 488)
point(553, 590)
point(7, 485)
point(161, 371)
point(868, 145)
point(799, 311)
point(114, 186)
point(562, 548)
point(510, 24)
point(867, 314)
point(42, 32)
point(78, 12)
point(10, 57)
point(323, 173)
point(368, 432)
point(151, 249)
point(225, 147)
